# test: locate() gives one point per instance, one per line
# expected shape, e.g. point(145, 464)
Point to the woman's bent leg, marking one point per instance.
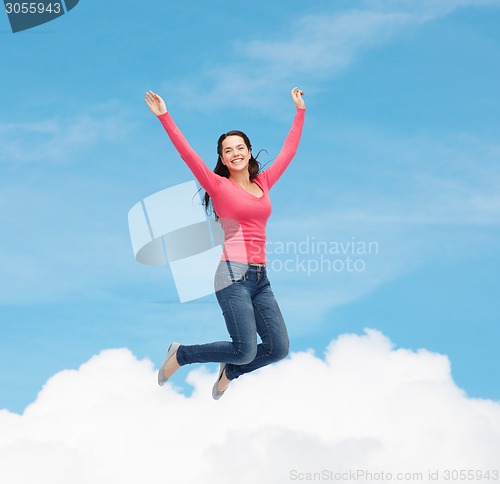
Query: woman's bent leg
point(237, 309)
point(271, 328)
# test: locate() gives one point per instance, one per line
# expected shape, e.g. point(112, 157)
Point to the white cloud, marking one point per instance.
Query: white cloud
point(315, 47)
point(366, 405)
point(327, 42)
point(427, 9)
point(57, 139)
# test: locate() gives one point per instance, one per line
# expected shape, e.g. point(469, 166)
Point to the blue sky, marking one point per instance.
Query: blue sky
point(400, 147)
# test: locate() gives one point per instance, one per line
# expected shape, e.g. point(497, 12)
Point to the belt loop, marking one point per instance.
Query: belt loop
point(228, 263)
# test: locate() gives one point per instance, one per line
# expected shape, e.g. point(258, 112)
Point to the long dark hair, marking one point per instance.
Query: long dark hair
point(222, 170)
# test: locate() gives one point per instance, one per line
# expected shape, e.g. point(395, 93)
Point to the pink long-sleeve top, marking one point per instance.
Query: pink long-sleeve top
point(243, 216)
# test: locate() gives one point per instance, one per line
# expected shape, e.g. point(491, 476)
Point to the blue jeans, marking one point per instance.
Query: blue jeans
point(249, 308)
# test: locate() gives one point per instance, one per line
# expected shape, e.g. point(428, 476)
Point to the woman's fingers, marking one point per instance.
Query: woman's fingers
point(297, 97)
point(155, 103)
point(151, 98)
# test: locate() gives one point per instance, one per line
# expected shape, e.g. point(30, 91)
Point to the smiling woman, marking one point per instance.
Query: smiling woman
point(240, 198)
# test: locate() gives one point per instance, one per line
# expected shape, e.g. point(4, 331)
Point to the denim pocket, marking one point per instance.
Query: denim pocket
point(229, 273)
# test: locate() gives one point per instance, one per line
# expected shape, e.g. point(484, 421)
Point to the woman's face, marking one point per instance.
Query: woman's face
point(235, 154)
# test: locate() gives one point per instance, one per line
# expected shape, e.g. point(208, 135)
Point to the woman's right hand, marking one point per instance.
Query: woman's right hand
point(155, 103)
point(297, 98)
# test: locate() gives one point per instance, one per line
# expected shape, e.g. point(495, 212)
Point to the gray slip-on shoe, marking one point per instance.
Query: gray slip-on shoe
point(161, 372)
point(216, 394)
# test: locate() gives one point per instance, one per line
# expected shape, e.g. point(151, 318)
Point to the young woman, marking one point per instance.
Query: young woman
point(240, 198)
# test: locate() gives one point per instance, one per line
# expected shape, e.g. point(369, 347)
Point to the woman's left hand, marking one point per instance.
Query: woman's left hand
point(297, 97)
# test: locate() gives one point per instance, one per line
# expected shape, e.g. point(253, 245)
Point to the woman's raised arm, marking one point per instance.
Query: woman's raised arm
point(285, 156)
point(207, 178)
